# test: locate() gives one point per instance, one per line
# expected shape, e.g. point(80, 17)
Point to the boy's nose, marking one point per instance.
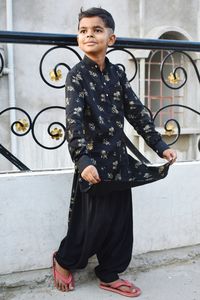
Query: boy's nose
point(89, 35)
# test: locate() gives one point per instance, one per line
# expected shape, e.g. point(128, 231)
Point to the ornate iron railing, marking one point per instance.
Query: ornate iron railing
point(1, 63)
point(67, 42)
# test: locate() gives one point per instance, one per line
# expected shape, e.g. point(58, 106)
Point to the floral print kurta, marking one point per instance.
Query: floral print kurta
point(96, 104)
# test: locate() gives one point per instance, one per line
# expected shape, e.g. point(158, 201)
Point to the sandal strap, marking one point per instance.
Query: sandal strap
point(66, 280)
point(120, 283)
point(57, 275)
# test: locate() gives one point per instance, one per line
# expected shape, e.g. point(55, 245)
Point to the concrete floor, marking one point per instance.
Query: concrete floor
point(171, 282)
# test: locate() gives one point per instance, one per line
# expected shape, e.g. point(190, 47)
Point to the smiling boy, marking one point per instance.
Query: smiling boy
point(98, 97)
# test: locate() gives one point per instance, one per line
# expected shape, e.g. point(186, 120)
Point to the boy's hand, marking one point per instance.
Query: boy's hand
point(170, 155)
point(90, 174)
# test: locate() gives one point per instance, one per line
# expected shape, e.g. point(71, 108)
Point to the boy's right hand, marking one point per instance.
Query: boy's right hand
point(91, 174)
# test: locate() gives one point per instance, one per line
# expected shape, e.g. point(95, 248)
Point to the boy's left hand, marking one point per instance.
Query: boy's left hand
point(170, 155)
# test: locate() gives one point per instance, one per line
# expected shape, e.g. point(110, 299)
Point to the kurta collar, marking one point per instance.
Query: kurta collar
point(92, 64)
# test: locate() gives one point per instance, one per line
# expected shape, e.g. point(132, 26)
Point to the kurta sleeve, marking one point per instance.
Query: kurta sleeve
point(139, 118)
point(75, 121)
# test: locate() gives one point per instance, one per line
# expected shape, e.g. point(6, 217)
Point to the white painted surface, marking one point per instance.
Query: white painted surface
point(34, 210)
point(167, 213)
point(33, 218)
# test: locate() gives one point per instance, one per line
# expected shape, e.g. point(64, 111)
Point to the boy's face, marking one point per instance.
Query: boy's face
point(94, 37)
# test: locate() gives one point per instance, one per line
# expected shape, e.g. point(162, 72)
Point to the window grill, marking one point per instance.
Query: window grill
point(157, 94)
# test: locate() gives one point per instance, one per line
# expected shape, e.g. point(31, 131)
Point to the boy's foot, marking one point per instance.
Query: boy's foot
point(122, 287)
point(63, 279)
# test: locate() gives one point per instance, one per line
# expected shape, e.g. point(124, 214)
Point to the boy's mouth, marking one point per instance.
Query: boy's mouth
point(90, 43)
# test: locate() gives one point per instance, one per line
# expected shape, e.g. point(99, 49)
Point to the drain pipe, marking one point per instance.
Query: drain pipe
point(141, 17)
point(11, 79)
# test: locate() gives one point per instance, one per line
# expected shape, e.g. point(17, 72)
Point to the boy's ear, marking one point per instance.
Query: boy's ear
point(112, 39)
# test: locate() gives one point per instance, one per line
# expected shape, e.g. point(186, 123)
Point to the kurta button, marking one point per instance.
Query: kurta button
point(104, 83)
point(107, 95)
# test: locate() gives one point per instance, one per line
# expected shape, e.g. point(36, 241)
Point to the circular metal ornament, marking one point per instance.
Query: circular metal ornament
point(121, 65)
point(55, 70)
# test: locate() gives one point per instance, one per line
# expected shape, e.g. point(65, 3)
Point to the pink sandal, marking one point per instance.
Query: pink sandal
point(67, 280)
point(115, 287)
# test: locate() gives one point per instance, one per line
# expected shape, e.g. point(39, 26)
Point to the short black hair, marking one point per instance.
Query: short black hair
point(97, 12)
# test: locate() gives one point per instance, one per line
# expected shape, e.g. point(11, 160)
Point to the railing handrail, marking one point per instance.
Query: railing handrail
point(19, 37)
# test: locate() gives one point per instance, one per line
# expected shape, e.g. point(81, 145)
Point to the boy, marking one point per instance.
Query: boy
point(98, 97)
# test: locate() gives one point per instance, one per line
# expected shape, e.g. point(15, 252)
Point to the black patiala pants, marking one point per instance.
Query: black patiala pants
point(100, 225)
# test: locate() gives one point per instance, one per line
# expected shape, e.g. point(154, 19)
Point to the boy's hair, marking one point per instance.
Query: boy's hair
point(97, 12)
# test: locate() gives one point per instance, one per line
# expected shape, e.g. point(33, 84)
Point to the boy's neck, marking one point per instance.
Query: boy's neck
point(100, 61)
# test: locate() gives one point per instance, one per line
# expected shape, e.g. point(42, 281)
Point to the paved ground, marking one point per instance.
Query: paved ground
point(172, 282)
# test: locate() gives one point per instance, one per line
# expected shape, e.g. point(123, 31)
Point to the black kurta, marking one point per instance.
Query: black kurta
point(96, 104)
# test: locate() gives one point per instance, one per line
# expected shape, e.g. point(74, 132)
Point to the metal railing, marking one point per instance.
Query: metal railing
point(23, 127)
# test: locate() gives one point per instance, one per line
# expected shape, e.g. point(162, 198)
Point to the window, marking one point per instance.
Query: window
point(157, 94)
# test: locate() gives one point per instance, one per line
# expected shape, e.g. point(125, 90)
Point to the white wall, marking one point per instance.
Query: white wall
point(34, 210)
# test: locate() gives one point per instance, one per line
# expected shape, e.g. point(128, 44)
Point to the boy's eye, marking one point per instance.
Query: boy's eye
point(82, 31)
point(98, 30)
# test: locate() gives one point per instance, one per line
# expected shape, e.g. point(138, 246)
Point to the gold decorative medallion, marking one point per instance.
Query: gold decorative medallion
point(55, 76)
point(173, 79)
point(169, 129)
point(22, 125)
point(56, 133)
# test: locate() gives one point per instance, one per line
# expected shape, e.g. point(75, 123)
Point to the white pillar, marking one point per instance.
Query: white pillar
point(142, 95)
point(142, 66)
point(11, 77)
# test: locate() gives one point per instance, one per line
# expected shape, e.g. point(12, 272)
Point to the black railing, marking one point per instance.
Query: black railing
point(71, 40)
point(67, 42)
point(1, 63)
